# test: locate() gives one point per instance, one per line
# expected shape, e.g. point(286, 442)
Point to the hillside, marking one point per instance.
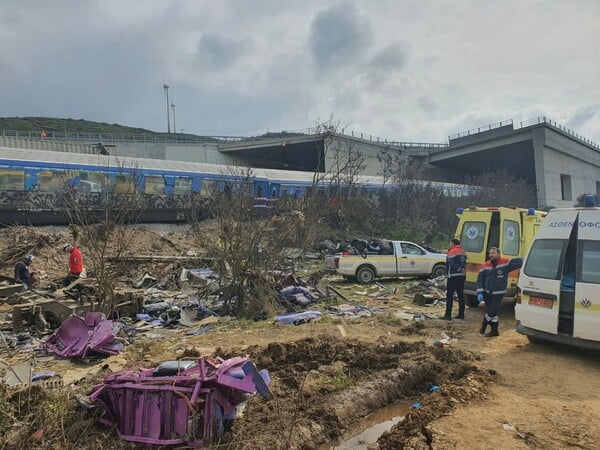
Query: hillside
point(51, 125)
point(59, 126)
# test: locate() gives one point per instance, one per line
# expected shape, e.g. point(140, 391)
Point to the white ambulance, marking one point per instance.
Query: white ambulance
point(560, 279)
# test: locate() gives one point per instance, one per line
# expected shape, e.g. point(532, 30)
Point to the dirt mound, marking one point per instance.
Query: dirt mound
point(468, 383)
point(322, 387)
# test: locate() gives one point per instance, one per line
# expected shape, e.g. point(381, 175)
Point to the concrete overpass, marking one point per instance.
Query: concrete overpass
point(561, 164)
point(313, 149)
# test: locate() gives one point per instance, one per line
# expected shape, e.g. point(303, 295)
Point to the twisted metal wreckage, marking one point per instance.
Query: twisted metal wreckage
point(179, 402)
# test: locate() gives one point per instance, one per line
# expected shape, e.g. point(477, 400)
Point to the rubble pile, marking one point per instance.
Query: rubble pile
point(427, 292)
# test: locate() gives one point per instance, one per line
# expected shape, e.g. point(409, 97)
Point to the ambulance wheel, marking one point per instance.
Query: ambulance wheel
point(471, 300)
point(439, 270)
point(365, 275)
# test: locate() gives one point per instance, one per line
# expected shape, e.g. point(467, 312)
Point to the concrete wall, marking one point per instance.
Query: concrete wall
point(37, 144)
point(563, 155)
point(201, 153)
point(482, 135)
point(368, 151)
point(138, 150)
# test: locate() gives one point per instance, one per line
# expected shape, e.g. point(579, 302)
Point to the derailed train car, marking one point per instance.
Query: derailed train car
point(32, 183)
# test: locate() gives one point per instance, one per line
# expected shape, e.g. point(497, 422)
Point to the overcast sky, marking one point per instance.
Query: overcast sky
point(400, 69)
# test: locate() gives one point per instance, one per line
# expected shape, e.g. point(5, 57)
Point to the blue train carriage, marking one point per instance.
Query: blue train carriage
point(48, 172)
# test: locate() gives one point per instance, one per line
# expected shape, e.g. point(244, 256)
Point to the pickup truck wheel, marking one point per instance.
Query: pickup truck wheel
point(439, 270)
point(365, 275)
point(471, 300)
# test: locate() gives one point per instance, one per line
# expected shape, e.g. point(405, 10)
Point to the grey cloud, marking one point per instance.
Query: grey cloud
point(339, 36)
point(427, 104)
point(219, 51)
point(582, 115)
point(392, 57)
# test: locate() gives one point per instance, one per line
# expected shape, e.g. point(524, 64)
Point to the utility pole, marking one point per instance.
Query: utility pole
point(173, 109)
point(166, 88)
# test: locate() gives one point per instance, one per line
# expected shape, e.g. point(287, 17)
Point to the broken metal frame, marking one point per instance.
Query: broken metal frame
point(186, 408)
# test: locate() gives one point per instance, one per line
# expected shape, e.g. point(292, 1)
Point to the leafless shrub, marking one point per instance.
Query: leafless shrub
point(99, 222)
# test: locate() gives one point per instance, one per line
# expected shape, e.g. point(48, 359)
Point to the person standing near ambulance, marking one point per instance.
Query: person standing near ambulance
point(491, 287)
point(75, 263)
point(455, 268)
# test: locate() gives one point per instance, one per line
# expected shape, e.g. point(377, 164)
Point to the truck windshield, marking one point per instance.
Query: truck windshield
point(545, 258)
point(473, 236)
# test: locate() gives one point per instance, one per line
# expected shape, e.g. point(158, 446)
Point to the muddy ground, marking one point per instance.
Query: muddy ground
point(330, 376)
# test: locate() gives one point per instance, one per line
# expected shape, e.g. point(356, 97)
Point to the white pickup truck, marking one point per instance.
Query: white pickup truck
point(409, 259)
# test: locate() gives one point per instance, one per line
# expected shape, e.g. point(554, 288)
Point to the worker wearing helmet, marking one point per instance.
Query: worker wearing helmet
point(491, 287)
point(22, 272)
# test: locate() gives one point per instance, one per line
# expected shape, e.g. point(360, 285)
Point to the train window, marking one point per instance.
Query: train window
point(209, 186)
point(12, 180)
point(52, 180)
point(183, 185)
point(124, 184)
point(154, 184)
point(89, 186)
point(93, 177)
point(259, 192)
point(284, 192)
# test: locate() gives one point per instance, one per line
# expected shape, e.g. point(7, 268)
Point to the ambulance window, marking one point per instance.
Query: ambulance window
point(473, 236)
point(545, 258)
point(590, 262)
point(511, 238)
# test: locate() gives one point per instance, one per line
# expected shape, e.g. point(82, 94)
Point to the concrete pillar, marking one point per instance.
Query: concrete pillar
point(538, 139)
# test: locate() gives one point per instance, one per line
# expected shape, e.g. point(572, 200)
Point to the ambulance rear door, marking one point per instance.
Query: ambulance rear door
point(587, 288)
point(474, 235)
point(542, 273)
point(510, 240)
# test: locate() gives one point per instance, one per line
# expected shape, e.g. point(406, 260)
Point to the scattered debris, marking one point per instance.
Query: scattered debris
point(297, 318)
point(19, 374)
point(445, 340)
point(427, 292)
point(331, 288)
point(77, 337)
point(146, 281)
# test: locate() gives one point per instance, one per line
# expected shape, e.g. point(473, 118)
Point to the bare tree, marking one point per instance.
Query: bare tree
point(334, 199)
point(99, 223)
point(501, 188)
point(242, 244)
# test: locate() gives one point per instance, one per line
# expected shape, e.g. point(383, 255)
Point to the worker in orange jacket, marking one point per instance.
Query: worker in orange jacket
point(75, 263)
point(456, 262)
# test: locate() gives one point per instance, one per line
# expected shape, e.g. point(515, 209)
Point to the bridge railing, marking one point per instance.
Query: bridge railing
point(543, 119)
point(524, 124)
point(109, 138)
point(482, 129)
point(353, 134)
